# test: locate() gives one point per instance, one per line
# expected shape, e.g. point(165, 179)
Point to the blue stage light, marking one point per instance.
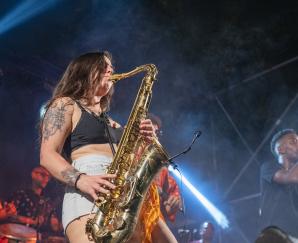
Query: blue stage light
point(26, 10)
point(218, 216)
point(42, 110)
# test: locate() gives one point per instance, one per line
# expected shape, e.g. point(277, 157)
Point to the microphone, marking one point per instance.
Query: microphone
point(197, 134)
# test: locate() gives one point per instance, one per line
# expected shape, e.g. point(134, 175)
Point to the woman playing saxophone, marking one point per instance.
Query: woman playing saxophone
point(75, 121)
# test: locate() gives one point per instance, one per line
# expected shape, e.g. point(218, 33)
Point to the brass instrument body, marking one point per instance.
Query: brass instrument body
point(117, 214)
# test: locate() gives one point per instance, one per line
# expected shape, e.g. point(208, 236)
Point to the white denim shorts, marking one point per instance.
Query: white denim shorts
point(75, 203)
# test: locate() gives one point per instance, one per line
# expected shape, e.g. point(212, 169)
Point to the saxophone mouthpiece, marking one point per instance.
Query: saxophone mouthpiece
point(115, 78)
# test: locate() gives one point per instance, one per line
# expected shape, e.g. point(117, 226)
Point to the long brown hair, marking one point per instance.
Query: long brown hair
point(77, 82)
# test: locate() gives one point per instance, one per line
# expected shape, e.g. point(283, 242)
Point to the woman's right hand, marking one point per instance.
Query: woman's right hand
point(94, 184)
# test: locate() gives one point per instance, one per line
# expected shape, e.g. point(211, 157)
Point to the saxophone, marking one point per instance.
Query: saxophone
point(117, 213)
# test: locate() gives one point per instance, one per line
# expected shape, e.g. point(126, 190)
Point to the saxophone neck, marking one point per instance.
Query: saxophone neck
point(149, 68)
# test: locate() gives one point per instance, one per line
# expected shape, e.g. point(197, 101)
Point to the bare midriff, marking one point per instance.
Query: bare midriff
point(90, 149)
point(98, 149)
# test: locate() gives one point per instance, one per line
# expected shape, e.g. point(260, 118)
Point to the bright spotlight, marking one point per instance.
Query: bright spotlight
point(218, 216)
point(42, 110)
point(26, 10)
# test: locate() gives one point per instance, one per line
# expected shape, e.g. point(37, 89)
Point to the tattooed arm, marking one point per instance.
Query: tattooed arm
point(57, 125)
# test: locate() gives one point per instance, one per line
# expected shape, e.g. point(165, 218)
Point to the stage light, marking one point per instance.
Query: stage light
point(26, 10)
point(42, 110)
point(218, 216)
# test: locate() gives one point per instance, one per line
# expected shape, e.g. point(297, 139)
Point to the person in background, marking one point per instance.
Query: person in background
point(279, 184)
point(206, 232)
point(6, 210)
point(170, 198)
point(33, 209)
point(273, 234)
point(170, 201)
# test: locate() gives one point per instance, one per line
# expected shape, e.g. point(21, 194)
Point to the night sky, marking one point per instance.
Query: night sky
point(226, 68)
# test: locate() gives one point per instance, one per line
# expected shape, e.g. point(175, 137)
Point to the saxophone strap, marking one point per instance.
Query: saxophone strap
point(106, 123)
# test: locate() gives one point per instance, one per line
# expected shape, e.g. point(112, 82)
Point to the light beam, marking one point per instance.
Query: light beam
point(42, 111)
point(218, 216)
point(26, 10)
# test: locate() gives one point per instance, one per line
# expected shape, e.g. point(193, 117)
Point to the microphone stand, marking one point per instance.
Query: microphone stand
point(197, 134)
point(170, 161)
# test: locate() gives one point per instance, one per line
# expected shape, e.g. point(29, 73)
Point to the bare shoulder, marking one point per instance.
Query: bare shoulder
point(60, 106)
point(63, 102)
point(57, 117)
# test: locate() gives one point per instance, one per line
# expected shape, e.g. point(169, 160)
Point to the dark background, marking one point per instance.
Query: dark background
point(207, 53)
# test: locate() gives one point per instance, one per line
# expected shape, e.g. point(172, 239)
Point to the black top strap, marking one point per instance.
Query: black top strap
point(79, 105)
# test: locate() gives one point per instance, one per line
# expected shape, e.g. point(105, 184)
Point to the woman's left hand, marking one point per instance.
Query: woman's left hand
point(147, 129)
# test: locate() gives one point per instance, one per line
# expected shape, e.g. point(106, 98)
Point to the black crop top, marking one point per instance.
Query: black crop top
point(90, 129)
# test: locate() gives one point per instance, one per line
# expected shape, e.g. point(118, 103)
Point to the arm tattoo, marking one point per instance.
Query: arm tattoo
point(70, 176)
point(53, 121)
